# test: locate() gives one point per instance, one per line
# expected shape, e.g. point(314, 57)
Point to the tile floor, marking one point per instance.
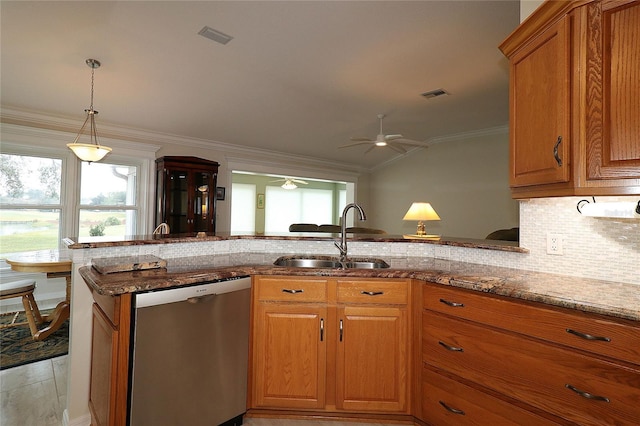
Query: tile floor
point(34, 394)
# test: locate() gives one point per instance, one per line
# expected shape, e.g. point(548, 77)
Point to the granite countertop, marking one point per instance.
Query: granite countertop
point(589, 295)
point(99, 242)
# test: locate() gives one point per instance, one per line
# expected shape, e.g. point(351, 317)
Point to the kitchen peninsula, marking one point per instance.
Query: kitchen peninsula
point(526, 303)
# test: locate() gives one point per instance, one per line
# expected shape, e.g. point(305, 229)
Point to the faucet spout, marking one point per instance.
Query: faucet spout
point(342, 247)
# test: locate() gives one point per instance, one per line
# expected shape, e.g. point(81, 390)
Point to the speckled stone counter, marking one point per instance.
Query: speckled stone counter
point(99, 242)
point(594, 296)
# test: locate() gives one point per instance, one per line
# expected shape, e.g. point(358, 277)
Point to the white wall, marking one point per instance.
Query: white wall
point(527, 7)
point(465, 178)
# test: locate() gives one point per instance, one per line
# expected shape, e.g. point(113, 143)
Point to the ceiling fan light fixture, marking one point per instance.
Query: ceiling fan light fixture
point(381, 143)
point(92, 151)
point(288, 184)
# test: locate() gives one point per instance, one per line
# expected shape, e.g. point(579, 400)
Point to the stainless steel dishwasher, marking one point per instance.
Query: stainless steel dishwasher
point(190, 355)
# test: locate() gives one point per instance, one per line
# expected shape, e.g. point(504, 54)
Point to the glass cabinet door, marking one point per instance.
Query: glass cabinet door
point(178, 193)
point(202, 208)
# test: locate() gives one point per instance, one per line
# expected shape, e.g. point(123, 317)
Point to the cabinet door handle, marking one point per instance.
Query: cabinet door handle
point(555, 151)
point(341, 329)
point(588, 336)
point(292, 291)
point(586, 394)
point(372, 293)
point(451, 409)
point(453, 304)
point(321, 329)
point(450, 348)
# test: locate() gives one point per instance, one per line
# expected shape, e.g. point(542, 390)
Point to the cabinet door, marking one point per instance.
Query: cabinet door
point(177, 200)
point(540, 109)
point(104, 358)
point(289, 355)
point(202, 206)
point(372, 359)
point(613, 88)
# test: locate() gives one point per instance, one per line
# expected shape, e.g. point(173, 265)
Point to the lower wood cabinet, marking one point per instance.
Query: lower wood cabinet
point(109, 381)
point(576, 369)
point(330, 345)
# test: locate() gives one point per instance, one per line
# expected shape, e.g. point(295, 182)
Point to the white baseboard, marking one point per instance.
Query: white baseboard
point(78, 421)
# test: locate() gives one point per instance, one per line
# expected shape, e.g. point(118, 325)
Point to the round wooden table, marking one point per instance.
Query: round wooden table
point(49, 262)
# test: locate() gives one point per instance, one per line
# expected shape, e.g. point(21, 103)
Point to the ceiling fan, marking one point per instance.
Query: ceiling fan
point(394, 142)
point(290, 183)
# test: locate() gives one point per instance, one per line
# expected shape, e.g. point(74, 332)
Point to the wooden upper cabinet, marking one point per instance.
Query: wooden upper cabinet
point(613, 79)
point(540, 109)
point(574, 90)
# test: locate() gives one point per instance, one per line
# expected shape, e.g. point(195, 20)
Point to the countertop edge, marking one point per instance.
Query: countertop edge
point(512, 287)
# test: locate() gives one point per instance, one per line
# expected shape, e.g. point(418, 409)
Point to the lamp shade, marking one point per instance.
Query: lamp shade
point(88, 151)
point(421, 211)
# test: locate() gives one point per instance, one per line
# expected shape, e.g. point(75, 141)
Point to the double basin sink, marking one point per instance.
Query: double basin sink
point(329, 262)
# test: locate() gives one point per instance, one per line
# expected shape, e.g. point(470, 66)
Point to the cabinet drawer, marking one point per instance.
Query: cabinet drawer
point(446, 402)
point(374, 291)
point(284, 289)
point(533, 372)
point(571, 328)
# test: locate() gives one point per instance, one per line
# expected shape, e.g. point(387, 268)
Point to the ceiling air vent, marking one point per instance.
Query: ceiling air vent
point(215, 35)
point(434, 93)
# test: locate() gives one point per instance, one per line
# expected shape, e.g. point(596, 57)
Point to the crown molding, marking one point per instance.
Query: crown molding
point(473, 134)
point(39, 120)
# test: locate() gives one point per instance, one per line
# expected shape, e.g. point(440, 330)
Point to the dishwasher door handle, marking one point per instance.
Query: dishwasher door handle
point(200, 299)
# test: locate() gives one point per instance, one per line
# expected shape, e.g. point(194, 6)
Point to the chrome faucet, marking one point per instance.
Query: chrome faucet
point(343, 230)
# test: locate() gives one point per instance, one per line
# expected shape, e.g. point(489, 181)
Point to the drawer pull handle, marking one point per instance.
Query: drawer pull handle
point(292, 291)
point(452, 304)
point(450, 348)
point(451, 409)
point(586, 394)
point(321, 329)
point(372, 293)
point(588, 336)
point(341, 330)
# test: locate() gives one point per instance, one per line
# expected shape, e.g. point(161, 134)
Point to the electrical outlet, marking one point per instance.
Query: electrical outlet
point(554, 244)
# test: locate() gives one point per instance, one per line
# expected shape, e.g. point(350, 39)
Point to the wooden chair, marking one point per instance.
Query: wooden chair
point(24, 289)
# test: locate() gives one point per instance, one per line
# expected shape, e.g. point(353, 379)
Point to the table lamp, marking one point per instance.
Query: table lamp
point(420, 212)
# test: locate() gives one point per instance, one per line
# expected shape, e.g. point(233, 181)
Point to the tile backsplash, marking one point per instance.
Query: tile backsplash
point(600, 248)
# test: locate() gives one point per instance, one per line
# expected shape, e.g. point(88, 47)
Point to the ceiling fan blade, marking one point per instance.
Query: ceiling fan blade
point(299, 181)
point(354, 144)
point(397, 148)
point(411, 142)
point(392, 137)
point(361, 139)
point(370, 148)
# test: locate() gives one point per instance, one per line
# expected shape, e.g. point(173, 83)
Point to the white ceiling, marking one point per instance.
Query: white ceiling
point(298, 77)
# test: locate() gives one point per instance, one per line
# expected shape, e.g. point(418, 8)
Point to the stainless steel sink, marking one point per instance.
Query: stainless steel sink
point(367, 264)
point(329, 262)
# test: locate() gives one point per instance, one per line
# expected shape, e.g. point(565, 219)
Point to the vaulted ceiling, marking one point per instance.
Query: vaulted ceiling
point(298, 77)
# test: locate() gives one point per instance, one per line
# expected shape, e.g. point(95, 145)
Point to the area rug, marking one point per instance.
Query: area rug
point(17, 347)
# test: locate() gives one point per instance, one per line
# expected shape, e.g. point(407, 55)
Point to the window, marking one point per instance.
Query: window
point(30, 199)
point(243, 208)
point(284, 207)
point(46, 194)
point(108, 200)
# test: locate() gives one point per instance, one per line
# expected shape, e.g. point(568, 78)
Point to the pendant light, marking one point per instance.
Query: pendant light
point(90, 151)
